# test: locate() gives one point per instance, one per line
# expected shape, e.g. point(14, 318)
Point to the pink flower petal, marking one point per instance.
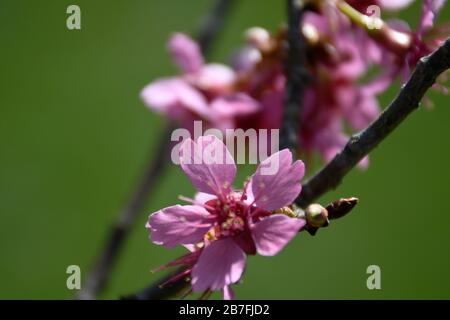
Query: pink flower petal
point(209, 165)
point(227, 293)
point(272, 111)
point(190, 247)
point(214, 77)
point(201, 197)
point(430, 9)
point(235, 105)
point(352, 65)
point(185, 52)
point(362, 110)
point(245, 59)
point(274, 232)
point(172, 96)
point(363, 164)
point(318, 21)
point(191, 98)
point(276, 182)
point(394, 4)
point(159, 95)
point(221, 263)
point(179, 225)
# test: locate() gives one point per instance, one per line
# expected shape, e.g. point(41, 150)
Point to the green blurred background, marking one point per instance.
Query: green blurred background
point(74, 137)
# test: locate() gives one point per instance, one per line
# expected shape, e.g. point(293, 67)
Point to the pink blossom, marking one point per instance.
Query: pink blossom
point(224, 225)
point(390, 5)
point(402, 47)
point(339, 99)
point(186, 53)
point(203, 91)
point(421, 47)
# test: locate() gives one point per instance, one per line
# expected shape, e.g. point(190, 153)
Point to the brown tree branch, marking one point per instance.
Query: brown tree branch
point(98, 276)
point(295, 72)
point(360, 144)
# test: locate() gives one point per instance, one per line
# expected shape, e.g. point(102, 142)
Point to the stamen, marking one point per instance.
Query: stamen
point(175, 278)
point(186, 259)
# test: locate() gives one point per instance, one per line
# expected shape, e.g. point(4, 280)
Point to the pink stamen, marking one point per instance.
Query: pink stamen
point(186, 259)
point(176, 277)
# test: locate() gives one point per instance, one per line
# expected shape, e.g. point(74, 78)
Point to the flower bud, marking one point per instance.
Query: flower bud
point(258, 37)
point(316, 215)
point(310, 33)
point(341, 207)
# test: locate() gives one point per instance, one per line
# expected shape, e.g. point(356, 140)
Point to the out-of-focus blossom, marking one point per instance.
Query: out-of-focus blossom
point(401, 46)
point(422, 43)
point(201, 92)
point(224, 225)
point(390, 5)
point(348, 64)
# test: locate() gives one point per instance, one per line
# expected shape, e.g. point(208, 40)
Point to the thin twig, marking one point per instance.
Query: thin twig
point(294, 69)
point(157, 291)
point(358, 147)
point(212, 23)
point(98, 276)
point(360, 144)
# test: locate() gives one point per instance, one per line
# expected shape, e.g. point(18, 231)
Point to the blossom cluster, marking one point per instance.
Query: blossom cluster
point(341, 53)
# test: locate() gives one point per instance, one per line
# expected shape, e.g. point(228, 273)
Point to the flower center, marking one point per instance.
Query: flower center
point(231, 217)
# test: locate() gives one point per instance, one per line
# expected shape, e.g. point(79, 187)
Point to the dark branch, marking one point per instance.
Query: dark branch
point(294, 69)
point(98, 276)
point(212, 23)
point(359, 145)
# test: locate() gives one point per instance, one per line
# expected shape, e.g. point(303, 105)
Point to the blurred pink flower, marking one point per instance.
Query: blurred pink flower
point(341, 96)
point(401, 48)
point(224, 225)
point(421, 46)
point(203, 91)
point(390, 5)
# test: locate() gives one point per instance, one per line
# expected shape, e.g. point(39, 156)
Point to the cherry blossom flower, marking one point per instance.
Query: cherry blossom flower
point(223, 225)
point(203, 91)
